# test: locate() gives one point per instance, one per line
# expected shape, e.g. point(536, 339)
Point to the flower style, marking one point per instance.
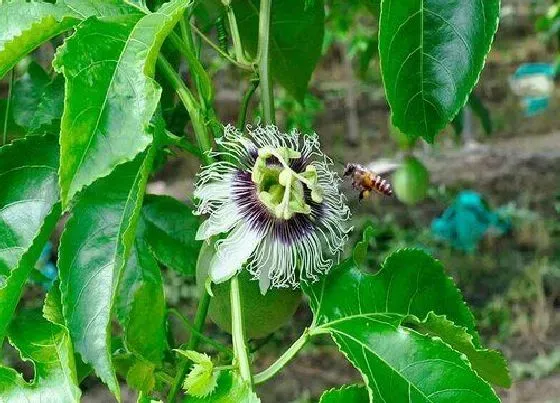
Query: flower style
point(276, 197)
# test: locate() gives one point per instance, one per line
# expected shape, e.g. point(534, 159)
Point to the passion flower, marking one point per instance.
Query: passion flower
point(279, 203)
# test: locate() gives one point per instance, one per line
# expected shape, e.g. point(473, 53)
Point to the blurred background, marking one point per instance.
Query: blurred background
point(484, 199)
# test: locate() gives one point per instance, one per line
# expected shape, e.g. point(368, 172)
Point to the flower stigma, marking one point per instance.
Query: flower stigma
point(279, 187)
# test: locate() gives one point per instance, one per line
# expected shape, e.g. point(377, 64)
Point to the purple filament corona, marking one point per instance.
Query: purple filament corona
point(244, 194)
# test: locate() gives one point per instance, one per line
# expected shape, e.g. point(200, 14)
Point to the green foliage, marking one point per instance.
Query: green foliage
point(296, 39)
point(29, 210)
point(26, 25)
point(431, 57)
point(38, 100)
point(141, 302)
point(119, 55)
point(231, 388)
point(47, 345)
point(96, 242)
point(349, 393)
point(93, 134)
point(170, 229)
point(373, 320)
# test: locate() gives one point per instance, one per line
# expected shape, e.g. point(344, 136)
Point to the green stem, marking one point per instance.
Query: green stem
point(191, 105)
point(267, 92)
point(238, 333)
point(218, 346)
point(199, 319)
point(182, 143)
point(241, 65)
point(283, 360)
point(7, 112)
point(253, 84)
point(235, 37)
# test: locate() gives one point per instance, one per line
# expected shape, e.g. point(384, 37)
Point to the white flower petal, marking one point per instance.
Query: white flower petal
point(221, 220)
point(233, 252)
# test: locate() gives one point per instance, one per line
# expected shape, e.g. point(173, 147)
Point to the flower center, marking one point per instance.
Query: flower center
point(279, 187)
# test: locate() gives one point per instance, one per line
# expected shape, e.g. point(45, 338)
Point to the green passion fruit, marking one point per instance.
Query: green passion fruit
point(262, 314)
point(411, 181)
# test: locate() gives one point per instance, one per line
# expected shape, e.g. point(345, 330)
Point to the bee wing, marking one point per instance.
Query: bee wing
point(383, 166)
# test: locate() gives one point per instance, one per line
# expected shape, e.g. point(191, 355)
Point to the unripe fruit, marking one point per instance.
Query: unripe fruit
point(262, 314)
point(411, 181)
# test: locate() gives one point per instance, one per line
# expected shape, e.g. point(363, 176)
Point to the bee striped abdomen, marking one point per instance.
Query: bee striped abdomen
point(380, 185)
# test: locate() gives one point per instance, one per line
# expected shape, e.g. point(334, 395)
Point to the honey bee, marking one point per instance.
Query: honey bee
point(366, 181)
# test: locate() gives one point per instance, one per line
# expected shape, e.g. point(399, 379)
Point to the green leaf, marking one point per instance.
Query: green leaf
point(141, 303)
point(38, 100)
point(29, 210)
point(52, 308)
point(202, 379)
point(410, 282)
point(96, 242)
point(431, 55)
point(110, 63)
point(364, 314)
point(231, 388)
point(141, 376)
point(296, 39)
point(359, 253)
point(26, 25)
point(490, 365)
point(27, 93)
point(170, 231)
point(346, 394)
point(105, 8)
point(48, 346)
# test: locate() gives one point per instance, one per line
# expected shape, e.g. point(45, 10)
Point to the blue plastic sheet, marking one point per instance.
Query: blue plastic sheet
point(466, 222)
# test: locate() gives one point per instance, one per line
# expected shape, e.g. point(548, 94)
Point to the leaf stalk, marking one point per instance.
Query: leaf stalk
point(283, 359)
point(238, 332)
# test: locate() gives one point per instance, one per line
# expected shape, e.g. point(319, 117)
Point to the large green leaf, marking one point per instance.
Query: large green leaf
point(26, 25)
point(170, 231)
point(431, 54)
point(296, 39)
point(29, 210)
point(489, 364)
point(141, 302)
point(96, 242)
point(48, 346)
point(38, 100)
point(105, 8)
point(365, 313)
point(410, 283)
point(346, 394)
point(231, 388)
point(110, 63)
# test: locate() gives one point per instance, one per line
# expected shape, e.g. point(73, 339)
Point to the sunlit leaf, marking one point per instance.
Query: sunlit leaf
point(110, 63)
point(29, 210)
point(431, 56)
point(231, 388)
point(96, 242)
point(26, 25)
point(48, 346)
point(489, 364)
point(364, 314)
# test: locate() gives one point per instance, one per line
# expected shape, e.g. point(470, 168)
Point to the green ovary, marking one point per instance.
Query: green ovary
point(281, 189)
